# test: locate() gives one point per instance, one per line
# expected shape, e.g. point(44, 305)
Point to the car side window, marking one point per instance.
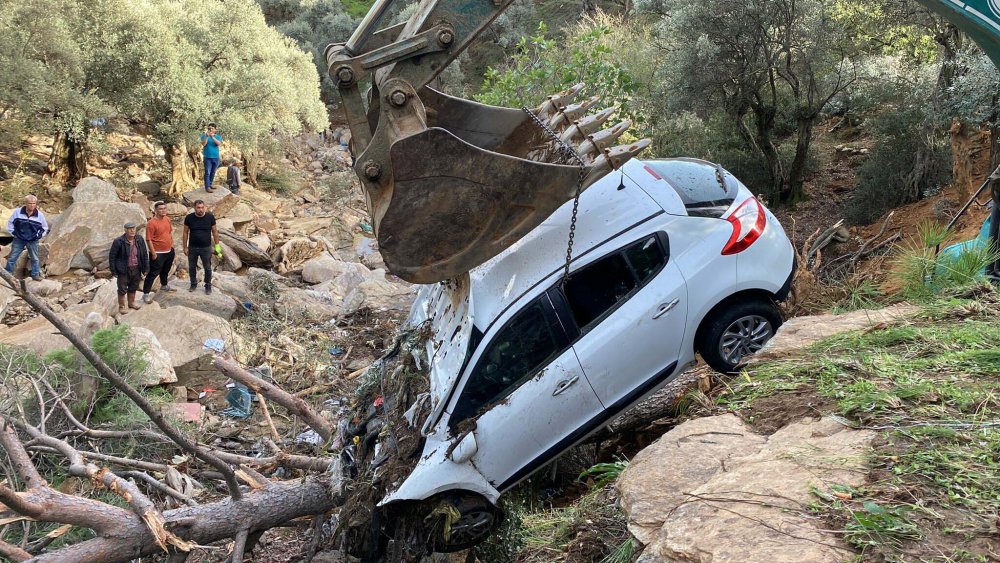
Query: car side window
point(599, 287)
point(526, 344)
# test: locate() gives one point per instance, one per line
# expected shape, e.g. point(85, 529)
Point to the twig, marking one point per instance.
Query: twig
point(119, 383)
point(239, 546)
point(162, 487)
point(294, 404)
point(267, 417)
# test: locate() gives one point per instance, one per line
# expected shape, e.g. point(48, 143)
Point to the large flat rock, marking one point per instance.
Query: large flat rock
point(93, 189)
point(713, 490)
point(217, 303)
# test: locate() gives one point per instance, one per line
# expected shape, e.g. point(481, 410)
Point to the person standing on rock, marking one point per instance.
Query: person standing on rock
point(159, 237)
point(199, 234)
point(210, 143)
point(27, 225)
point(129, 260)
point(233, 179)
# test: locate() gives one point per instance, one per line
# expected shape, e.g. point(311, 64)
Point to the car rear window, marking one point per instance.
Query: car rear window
point(706, 189)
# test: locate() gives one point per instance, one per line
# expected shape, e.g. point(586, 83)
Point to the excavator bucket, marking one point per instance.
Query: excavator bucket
point(451, 183)
point(477, 178)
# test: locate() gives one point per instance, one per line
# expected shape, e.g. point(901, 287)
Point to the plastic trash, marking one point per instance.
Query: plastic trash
point(309, 437)
point(215, 344)
point(366, 227)
point(240, 401)
point(336, 350)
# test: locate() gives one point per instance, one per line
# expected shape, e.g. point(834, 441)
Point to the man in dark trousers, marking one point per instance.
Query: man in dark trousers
point(233, 179)
point(199, 234)
point(129, 260)
point(27, 225)
point(159, 236)
point(210, 143)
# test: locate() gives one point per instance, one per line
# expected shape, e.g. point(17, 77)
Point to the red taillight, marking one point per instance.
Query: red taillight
point(748, 223)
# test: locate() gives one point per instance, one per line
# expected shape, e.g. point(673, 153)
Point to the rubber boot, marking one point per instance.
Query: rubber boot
point(131, 301)
point(122, 308)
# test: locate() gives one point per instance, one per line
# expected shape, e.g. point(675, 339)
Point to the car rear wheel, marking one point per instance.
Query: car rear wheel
point(737, 331)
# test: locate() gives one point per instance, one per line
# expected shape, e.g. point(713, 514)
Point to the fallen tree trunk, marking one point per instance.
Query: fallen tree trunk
point(249, 253)
point(258, 510)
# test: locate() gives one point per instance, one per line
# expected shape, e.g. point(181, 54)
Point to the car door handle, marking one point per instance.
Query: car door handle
point(665, 308)
point(565, 384)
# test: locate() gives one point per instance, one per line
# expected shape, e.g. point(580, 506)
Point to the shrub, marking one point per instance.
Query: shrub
point(279, 179)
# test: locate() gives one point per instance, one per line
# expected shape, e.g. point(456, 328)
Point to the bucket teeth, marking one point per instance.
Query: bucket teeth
point(586, 125)
point(556, 102)
point(614, 158)
point(603, 138)
point(571, 113)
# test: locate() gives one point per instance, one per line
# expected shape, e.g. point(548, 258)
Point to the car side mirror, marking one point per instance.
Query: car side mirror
point(464, 448)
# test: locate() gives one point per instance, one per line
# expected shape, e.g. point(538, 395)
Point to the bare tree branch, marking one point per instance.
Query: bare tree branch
point(112, 376)
point(19, 457)
point(13, 552)
point(163, 488)
point(296, 405)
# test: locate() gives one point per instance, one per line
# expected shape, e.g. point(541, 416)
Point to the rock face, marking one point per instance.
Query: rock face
point(104, 219)
point(63, 249)
point(182, 332)
point(94, 189)
point(159, 368)
point(705, 490)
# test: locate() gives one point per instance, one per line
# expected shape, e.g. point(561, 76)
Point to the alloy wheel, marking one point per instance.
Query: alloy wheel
point(745, 336)
point(472, 527)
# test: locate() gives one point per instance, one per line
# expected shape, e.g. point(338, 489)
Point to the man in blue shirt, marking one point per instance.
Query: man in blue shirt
point(27, 225)
point(210, 143)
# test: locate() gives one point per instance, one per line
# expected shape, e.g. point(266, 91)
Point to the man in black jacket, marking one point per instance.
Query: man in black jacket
point(129, 260)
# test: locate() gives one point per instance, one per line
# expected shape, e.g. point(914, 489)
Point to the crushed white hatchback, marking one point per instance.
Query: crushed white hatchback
point(671, 258)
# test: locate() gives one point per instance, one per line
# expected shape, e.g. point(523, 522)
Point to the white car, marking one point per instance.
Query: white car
point(671, 258)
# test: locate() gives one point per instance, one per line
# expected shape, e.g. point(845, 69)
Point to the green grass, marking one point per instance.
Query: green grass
point(930, 388)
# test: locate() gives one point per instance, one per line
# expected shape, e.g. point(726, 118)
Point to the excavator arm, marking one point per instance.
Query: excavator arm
point(450, 183)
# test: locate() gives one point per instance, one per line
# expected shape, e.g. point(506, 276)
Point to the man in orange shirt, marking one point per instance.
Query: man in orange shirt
point(160, 238)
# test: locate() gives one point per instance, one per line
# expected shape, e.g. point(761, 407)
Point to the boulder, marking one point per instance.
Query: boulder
point(94, 189)
point(105, 220)
point(239, 214)
point(41, 337)
point(176, 210)
point(149, 188)
point(7, 296)
point(44, 288)
point(237, 287)
point(311, 305)
point(380, 294)
point(182, 332)
point(305, 226)
point(159, 368)
point(262, 242)
point(106, 297)
point(5, 214)
point(225, 224)
point(230, 259)
point(217, 303)
point(325, 267)
point(98, 256)
point(713, 490)
point(211, 199)
point(64, 249)
point(249, 253)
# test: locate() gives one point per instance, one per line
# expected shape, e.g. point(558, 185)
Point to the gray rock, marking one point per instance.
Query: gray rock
point(106, 298)
point(149, 188)
point(211, 199)
point(44, 288)
point(41, 337)
point(225, 223)
point(696, 493)
point(105, 220)
point(159, 367)
point(310, 305)
point(217, 303)
point(182, 332)
point(96, 256)
point(7, 296)
point(325, 267)
point(64, 249)
point(94, 189)
point(239, 214)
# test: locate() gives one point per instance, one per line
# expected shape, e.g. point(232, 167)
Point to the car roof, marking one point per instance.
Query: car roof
point(606, 210)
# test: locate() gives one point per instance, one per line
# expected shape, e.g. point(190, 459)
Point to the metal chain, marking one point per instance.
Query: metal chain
point(567, 152)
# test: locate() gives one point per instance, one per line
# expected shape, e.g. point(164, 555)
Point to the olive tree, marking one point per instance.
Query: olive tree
point(763, 63)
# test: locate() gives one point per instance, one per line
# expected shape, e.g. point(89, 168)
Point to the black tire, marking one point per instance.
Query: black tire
point(745, 325)
point(478, 519)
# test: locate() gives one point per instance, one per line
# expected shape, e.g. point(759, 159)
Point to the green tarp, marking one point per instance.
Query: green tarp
point(979, 19)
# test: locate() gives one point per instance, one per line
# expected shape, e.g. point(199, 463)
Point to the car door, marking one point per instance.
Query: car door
point(526, 396)
point(631, 310)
